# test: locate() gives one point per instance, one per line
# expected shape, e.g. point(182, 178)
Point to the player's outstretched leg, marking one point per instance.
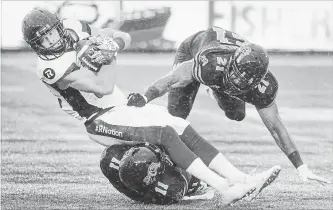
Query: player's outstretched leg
point(210, 155)
point(186, 159)
point(216, 161)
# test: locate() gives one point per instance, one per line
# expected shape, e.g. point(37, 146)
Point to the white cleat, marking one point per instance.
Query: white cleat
point(204, 192)
point(262, 180)
point(237, 192)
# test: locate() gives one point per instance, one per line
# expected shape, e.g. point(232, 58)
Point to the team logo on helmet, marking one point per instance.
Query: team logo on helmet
point(151, 173)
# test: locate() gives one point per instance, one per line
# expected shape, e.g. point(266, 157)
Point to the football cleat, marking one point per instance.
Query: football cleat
point(237, 192)
point(262, 180)
point(204, 192)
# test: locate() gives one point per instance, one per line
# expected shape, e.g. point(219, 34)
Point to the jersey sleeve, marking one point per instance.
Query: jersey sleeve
point(51, 71)
point(264, 94)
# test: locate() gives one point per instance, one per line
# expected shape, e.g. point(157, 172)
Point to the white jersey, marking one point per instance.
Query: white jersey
point(76, 103)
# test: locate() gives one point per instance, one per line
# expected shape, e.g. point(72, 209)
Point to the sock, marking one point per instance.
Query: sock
point(199, 145)
point(222, 166)
point(202, 172)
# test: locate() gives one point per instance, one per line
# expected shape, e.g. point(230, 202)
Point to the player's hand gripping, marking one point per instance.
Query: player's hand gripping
point(305, 174)
point(105, 50)
point(100, 57)
point(136, 99)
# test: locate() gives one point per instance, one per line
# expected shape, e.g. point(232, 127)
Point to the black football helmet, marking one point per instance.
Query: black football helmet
point(141, 165)
point(36, 25)
point(248, 66)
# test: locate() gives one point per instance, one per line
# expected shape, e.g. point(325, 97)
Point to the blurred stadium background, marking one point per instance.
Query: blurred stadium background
point(47, 161)
point(162, 25)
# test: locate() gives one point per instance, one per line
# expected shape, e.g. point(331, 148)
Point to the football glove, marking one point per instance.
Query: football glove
point(104, 43)
point(305, 174)
point(100, 57)
point(136, 99)
point(105, 50)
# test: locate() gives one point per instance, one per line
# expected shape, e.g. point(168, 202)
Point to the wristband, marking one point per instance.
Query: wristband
point(295, 159)
point(152, 93)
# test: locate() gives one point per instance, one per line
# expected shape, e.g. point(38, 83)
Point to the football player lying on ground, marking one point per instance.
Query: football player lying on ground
point(236, 72)
point(145, 173)
point(85, 89)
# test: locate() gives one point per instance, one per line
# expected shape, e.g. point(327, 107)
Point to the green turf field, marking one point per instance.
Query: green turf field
point(47, 161)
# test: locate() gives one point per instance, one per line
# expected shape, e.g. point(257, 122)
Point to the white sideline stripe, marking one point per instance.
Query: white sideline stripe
point(286, 113)
point(169, 62)
point(300, 114)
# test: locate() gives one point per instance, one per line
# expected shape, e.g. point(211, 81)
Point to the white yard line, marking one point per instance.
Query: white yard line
point(275, 60)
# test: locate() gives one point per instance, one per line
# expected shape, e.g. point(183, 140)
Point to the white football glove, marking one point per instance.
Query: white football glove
point(98, 57)
point(104, 43)
point(305, 174)
point(105, 50)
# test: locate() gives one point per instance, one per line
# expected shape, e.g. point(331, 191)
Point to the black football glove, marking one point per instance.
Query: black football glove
point(136, 99)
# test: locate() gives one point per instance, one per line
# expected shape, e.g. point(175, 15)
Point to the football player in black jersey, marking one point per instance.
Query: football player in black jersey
point(237, 73)
point(145, 173)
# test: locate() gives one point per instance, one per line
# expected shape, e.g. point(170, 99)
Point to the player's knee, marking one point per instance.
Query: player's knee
point(169, 138)
point(168, 131)
point(235, 115)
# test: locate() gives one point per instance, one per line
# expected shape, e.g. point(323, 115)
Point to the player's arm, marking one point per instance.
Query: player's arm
point(101, 83)
point(123, 39)
point(271, 118)
point(180, 76)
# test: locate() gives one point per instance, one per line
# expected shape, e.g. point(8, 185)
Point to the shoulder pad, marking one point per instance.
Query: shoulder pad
point(209, 66)
point(265, 93)
point(51, 71)
point(79, 27)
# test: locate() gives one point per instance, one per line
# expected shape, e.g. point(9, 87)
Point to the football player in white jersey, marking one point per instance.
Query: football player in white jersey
point(57, 66)
point(93, 98)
